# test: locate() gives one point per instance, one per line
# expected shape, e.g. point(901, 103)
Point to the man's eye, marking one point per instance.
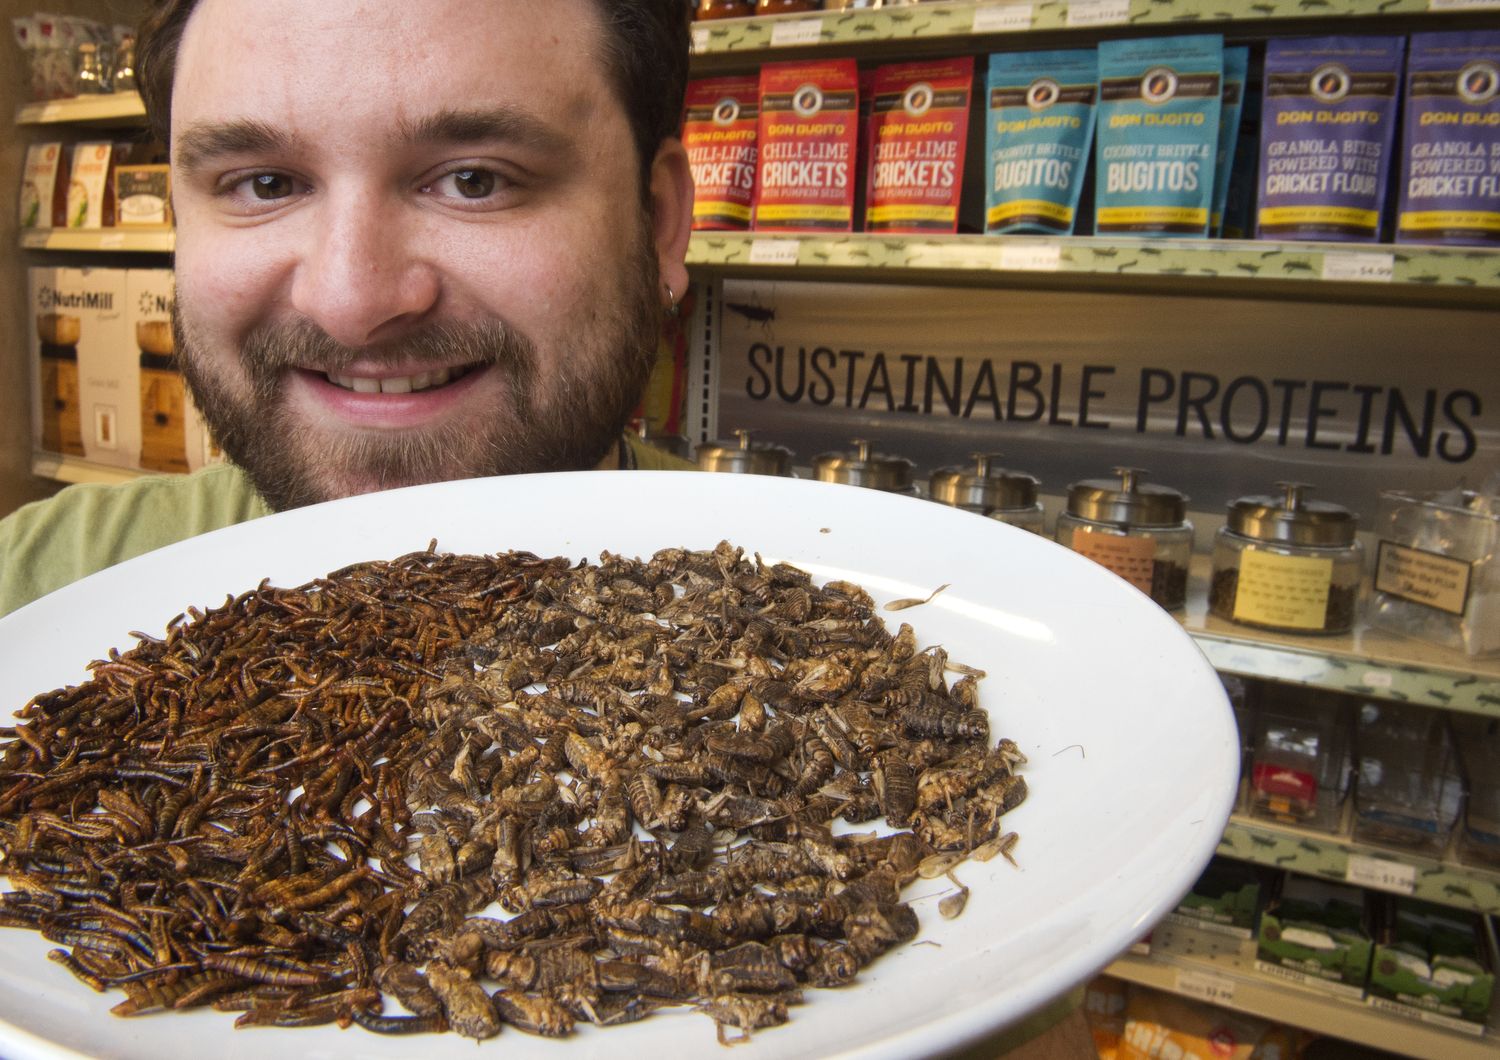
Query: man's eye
point(474, 183)
point(271, 186)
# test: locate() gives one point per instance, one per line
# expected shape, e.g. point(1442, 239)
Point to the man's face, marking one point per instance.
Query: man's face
point(411, 240)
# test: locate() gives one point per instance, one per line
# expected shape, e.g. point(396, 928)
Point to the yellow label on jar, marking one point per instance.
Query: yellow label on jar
point(1286, 591)
point(1132, 558)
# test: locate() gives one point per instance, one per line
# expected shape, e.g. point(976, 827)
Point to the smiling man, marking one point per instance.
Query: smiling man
point(415, 242)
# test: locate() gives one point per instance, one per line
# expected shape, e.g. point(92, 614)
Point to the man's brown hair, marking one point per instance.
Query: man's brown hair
point(645, 46)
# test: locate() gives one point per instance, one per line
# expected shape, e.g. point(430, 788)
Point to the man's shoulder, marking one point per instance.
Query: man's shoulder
point(85, 528)
point(650, 458)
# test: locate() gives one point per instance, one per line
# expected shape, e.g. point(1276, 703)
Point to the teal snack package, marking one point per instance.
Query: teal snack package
point(1039, 126)
point(1328, 121)
point(1158, 135)
point(1450, 159)
point(1232, 103)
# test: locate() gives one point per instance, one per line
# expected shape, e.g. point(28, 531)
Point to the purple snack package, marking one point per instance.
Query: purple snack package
point(1327, 124)
point(1450, 158)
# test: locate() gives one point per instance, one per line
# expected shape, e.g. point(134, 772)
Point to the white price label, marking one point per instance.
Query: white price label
point(1098, 12)
point(1461, 5)
point(1365, 268)
point(1031, 257)
point(1381, 874)
point(701, 36)
point(796, 31)
point(1002, 18)
point(1206, 986)
point(1378, 679)
point(111, 240)
point(774, 251)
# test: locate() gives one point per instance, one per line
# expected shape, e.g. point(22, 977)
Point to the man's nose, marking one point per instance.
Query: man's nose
point(361, 276)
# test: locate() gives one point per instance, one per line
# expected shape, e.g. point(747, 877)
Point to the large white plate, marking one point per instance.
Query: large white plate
point(1132, 746)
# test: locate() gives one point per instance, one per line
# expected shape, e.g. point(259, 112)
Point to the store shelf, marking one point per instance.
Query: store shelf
point(939, 22)
point(72, 469)
point(1339, 858)
point(1370, 662)
point(118, 108)
point(145, 241)
point(1214, 968)
point(1210, 266)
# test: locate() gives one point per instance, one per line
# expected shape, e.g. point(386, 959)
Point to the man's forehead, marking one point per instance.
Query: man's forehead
point(400, 61)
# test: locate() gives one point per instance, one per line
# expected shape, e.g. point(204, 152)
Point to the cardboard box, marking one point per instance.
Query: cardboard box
point(1225, 900)
point(1316, 935)
point(39, 185)
point(86, 399)
point(1433, 964)
point(174, 438)
point(143, 197)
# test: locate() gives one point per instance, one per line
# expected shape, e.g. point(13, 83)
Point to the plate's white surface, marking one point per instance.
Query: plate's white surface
point(1132, 746)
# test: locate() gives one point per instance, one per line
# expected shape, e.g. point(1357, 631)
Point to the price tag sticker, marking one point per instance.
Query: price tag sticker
point(111, 240)
point(1206, 986)
point(1463, 5)
point(796, 31)
point(1098, 12)
point(1363, 268)
point(1378, 679)
point(701, 37)
point(774, 251)
point(1031, 257)
point(1381, 874)
point(1002, 18)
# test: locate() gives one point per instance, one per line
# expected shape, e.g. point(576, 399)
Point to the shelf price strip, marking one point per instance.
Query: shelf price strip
point(774, 251)
point(1002, 18)
point(1098, 12)
point(796, 31)
point(1381, 874)
point(1363, 268)
point(1205, 986)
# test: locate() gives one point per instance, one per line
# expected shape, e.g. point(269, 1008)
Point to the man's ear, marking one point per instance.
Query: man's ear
point(672, 213)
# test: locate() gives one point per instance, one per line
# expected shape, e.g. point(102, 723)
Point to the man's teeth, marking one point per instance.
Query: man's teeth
point(400, 384)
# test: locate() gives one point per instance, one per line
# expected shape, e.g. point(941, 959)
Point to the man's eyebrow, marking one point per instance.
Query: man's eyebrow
point(477, 126)
point(199, 143)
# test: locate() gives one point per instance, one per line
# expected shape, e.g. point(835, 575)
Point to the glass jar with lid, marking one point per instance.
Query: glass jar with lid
point(745, 457)
point(864, 467)
point(988, 489)
point(1138, 530)
point(1287, 563)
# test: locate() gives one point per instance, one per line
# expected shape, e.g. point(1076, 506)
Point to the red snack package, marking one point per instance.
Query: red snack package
point(808, 140)
point(719, 131)
point(920, 126)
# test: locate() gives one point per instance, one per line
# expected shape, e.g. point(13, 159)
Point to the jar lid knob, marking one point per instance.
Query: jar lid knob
point(861, 449)
point(982, 463)
point(743, 434)
point(1294, 492)
point(1128, 477)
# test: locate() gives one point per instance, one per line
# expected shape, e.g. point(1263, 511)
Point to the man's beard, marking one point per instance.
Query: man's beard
point(602, 371)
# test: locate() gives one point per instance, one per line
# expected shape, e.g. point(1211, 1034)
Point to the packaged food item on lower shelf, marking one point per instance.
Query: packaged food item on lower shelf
point(1231, 110)
point(1158, 135)
point(1317, 935)
point(808, 140)
point(1300, 771)
point(1226, 899)
point(1437, 567)
point(919, 128)
point(718, 133)
point(1450, 192)
point(40, 204)
point(1433, 963)
point(1478, 742)
point(1104, 1001)
point(1408, 790)
point(1161, 1025)
point(1327, 130)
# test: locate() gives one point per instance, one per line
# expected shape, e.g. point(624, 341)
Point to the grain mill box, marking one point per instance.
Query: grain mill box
point(86, 400)
point(1316, 935)
point(1433, 964)
point(174, 437)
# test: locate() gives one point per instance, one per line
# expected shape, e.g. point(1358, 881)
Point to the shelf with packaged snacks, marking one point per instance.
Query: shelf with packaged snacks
point(1221, 971)
point(115, 108)
point(1366, 661)
point(1359, 271)
point(1443, 881)
point(962, 19)
point(128, 240)
point(72, 470)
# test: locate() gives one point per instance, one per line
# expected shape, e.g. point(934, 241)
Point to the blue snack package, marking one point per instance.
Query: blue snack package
point(1450, 158)
point(1158, 135)
point(1328, 121)
point(1236, 70)
point(1039, 126)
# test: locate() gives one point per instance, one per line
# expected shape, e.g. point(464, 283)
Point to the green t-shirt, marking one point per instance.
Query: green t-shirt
point(85, 528)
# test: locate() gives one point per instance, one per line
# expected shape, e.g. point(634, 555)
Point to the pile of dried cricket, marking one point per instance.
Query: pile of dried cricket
point(296, 805)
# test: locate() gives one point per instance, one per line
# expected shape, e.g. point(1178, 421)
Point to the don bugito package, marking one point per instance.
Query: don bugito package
point(1450, 159)
point(1327, 125)
point(1158, 135)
